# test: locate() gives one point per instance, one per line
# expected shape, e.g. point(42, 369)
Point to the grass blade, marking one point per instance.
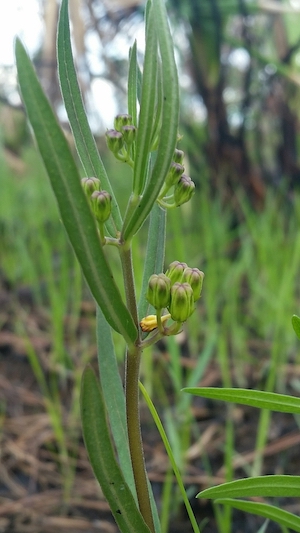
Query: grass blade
point(84, 139)
point(100, 449)
point(167, 446)
point(74, 209)
point(265, 486)
point(280, 516)
point(261, 399)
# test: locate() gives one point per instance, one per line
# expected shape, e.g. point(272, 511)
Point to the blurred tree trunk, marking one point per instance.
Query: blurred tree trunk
point(47, 64)
point(226, 153)
point(287, 156)
point(78, 35)
point(230, 158)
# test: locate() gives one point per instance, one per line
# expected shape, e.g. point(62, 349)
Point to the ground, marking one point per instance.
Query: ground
point(33, 494)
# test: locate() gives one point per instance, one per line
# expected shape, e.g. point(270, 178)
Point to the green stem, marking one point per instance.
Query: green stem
point(133, 358)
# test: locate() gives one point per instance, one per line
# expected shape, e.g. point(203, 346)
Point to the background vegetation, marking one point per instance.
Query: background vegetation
point(239, 69)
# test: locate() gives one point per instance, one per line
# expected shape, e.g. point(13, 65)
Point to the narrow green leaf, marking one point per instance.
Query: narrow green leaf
point(266, 486)
point(113, 392)
point(168, 448)
point(146, 116)
point(261, 399)
point(74, 209)
point(169, 127)
point(154, 260)
point(100, 449)
point(84, 139)
point(296, 325)
point(284, 518)
point(159, 104)
point(133, 84)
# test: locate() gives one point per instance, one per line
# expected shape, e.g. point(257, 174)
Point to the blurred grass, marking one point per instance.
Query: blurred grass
point(251, 262)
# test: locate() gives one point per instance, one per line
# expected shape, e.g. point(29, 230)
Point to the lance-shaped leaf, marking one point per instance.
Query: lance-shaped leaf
point(74, 209)
point(284, 518)
point(169, 127)
point(114, 397)
point(283, 403)
point(99, 445)
point(266, 486)
point(146, 117)
point(84, 139)
point(133, 84)
point(296, 325)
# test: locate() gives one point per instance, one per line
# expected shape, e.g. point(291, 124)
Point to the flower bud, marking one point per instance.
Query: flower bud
point(158, 293)
point(149, 323)
point(90, 185)
point(184, 190)
point(129, 133)
point(194, 277)
point(121, 121)
point(175, 271)
point(101, 204)
point(114, 140)
point(178, 156)
point(175, 172)
point(182, 302)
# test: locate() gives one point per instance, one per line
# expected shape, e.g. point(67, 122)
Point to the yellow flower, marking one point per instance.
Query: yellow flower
point(149, 323)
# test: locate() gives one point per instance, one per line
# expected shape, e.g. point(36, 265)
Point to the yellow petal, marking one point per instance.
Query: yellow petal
point(149, 323)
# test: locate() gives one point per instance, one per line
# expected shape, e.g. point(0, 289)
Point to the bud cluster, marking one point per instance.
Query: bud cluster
point(183, 186)
point(177, 290)
point(120, 139)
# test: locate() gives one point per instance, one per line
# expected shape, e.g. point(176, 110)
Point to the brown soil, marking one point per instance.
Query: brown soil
point(33, 496)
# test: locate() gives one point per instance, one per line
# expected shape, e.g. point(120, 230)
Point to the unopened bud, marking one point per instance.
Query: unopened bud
point(182, 302)
point(101, 204)
point(194, 277)
point(90, 185)
point(175, 172)
point(121, 121)
point(184, 190)
point(178, 156)
point(114, 140)
point(158, 293)
point(129, 133)
point(175, 271)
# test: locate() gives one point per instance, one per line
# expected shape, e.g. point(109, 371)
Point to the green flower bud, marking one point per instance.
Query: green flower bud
point(121, 121)
point(158, 293)
point(182, 302)
point(178, 156)
point(129, 133)
point(175, 172)
point(114, 140)
point(101, 204)
point(90, 185)
point(184, 190)
point(194, 277)
point(175, 271)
